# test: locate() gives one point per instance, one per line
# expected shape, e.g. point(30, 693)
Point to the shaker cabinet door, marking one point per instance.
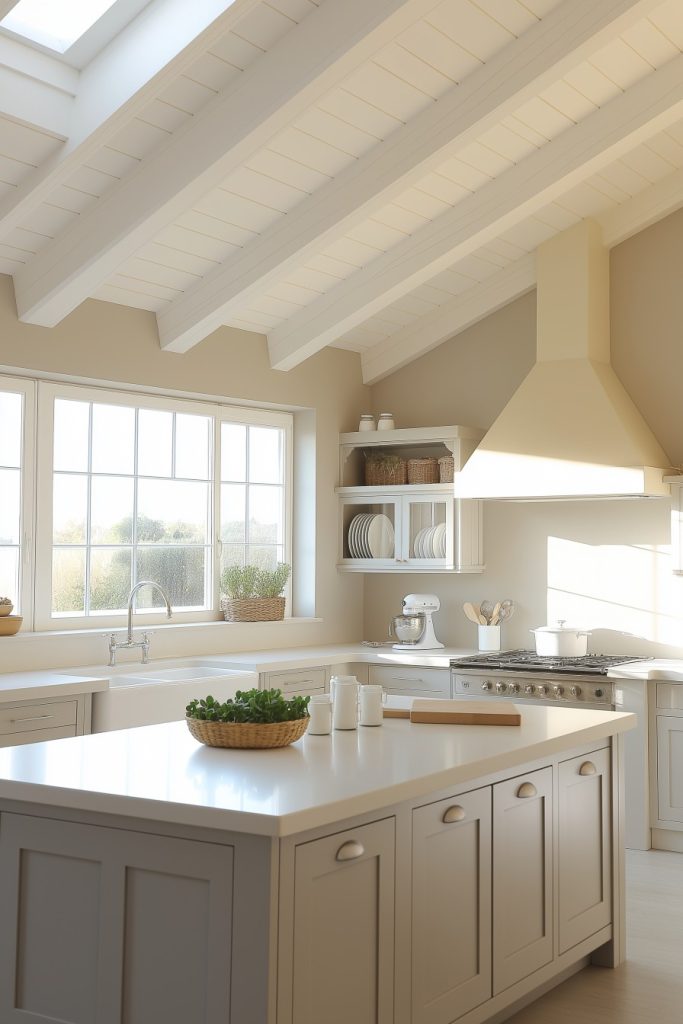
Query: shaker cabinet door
point(584, 847)
point(451, 910)
point(343, 928)
point(522, 877)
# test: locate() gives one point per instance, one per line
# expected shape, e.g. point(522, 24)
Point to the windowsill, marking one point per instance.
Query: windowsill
point(161, 628)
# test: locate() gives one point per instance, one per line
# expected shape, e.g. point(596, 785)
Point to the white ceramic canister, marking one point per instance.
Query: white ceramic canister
point(344, 690)
point(386, 421)
point(372, 698)
point(320, 711)
point(367, 422)
point(489, 638)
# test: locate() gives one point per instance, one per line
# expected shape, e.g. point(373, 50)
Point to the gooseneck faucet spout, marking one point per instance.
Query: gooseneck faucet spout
point(131, 599)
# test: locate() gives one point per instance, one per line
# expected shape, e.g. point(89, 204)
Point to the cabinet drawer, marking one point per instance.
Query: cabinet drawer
point(305, 680)
point(432, 682)
point(17, 739)
point(670, 696)
point(29, 717)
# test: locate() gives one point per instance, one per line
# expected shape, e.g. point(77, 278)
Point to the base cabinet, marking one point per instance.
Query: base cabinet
point(522, 877)
point(670, 769)
point(451, 912)
point(52, 718)
point(584, 848)
point(343, 928)
point(408, 681)
point(106, 925)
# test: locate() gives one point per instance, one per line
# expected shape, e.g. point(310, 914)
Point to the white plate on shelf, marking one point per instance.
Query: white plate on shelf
point(439, 541)
point(365, 532)
point(417, 544)
point(380, 536)
point(354, 535)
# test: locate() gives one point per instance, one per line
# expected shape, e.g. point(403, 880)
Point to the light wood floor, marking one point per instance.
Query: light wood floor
point(648, 988)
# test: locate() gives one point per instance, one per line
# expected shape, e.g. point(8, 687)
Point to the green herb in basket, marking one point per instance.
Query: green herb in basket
point(250, 706)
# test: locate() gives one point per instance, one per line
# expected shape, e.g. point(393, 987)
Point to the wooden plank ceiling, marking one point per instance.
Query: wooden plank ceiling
point(374, 176)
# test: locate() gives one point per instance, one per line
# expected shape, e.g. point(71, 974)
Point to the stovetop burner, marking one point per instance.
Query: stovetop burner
point(529, 661)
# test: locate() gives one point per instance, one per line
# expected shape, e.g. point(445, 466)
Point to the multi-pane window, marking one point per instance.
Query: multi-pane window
point(253, 494)
point(131, 500)
point(11, 458)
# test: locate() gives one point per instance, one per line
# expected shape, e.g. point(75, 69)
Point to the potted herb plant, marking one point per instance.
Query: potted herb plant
point(254, 718)
point(253, 594)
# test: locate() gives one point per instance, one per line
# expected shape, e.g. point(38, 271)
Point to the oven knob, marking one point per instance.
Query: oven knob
point(599, 694)
point(558, 690)
point(541, 690)
point(513, 687)
point(486, 685)
point(575, 691)
point(529, 689)
point(501, 687)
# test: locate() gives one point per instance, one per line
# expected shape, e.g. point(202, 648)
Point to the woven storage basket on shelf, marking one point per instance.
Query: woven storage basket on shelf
point(247, 735)
point(423, 471)
point(253, 609)
point(446, 469)
point(382, 472)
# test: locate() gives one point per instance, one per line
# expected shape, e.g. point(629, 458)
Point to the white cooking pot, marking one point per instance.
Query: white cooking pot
point(560, 641)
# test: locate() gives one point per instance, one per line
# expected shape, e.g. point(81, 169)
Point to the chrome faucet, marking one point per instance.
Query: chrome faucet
point(129, 643)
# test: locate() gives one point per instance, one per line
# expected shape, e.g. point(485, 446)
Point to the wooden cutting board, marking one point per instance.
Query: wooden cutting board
point(458, 712)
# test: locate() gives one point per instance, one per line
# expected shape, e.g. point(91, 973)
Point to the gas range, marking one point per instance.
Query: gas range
point(524, 675)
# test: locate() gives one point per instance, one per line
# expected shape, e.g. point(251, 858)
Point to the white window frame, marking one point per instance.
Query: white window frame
point(47, 392)
point(27, 389)
point(258, 418)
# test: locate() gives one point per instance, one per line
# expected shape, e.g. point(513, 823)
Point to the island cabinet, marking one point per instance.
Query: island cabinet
point(666, 766)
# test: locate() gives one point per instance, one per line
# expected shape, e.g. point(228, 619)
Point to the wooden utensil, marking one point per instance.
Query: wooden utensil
point(471, 612)
point(495, 615)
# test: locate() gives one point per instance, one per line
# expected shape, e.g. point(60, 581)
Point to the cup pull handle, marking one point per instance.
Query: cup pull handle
point(350, 850)
point(587, 768)
point(526, 789)
point(454, 813)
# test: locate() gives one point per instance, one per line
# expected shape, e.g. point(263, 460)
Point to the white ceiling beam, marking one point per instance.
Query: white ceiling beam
point(36, 89)
point(432, 329)
point(568, 34)
point(649, 106)
point(162, 42)
point(642, 210)
point(6, 6)
point(306, 63)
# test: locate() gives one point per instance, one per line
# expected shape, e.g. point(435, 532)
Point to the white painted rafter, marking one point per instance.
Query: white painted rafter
point(567, 35)
point(430, 330)
point(328, 45)
point(649, 106)
point(36, 89)
point(6, 6)
point(162, 42)
point(643, 209)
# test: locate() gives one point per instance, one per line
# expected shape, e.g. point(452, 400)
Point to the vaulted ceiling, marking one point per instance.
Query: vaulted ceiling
point(370, 174)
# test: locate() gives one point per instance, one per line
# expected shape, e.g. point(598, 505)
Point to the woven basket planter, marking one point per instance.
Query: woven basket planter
point(253, 609)
point(247, 735)
point(446, 469)
point(380, 473)
point(423, 471)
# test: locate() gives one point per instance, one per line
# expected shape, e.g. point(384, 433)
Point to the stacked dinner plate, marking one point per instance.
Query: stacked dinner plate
point(371, 535)
point(430, 542)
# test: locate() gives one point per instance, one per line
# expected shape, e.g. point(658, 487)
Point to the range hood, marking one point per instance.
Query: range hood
point(570, 430)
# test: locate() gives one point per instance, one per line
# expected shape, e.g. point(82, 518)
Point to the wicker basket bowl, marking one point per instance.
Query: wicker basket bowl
point(10, 624)
point(247, 735)
point(253, 609)
point(385, 472)
point(6, 609)
point(446, 469)
point(423, 471)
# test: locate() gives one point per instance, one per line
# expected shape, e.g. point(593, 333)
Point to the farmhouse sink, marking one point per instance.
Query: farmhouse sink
point(149, 676)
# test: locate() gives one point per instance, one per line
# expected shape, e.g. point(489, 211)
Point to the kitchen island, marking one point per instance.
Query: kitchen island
point(408, 874)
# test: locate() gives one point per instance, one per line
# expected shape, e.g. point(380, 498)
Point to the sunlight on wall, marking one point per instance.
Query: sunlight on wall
point(627, 588)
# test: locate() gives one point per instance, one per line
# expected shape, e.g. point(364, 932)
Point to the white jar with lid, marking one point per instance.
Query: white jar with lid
point(320, 711)
point(372, 697)
point(386, 421)
point(345, 707)
point(367, 422)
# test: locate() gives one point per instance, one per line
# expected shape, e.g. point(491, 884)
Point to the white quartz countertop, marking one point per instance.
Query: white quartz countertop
point(338, 654)
point(40, 684)
point(658, 668)
point(161, 773)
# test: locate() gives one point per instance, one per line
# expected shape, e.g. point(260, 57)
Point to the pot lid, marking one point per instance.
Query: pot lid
point(561, 628)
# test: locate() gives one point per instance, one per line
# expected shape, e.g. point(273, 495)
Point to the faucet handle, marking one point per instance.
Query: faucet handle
point(145, 647)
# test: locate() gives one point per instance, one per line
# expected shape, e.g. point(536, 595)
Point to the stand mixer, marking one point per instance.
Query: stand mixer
point(414, 628)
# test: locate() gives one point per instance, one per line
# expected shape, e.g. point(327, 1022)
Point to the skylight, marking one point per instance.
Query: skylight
point(55, 24)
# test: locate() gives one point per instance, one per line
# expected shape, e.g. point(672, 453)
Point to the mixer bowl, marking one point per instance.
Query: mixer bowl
point(408, 628)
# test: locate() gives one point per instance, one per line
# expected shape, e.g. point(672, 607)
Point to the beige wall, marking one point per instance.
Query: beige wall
point(113, 343)
point(603, 564)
